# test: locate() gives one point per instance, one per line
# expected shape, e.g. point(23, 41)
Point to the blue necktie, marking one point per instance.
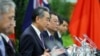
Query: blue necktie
point(42, 40)
point(51, 38)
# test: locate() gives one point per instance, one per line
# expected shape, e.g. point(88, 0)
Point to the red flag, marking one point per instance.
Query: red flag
point(86, 20)
point(12, 37)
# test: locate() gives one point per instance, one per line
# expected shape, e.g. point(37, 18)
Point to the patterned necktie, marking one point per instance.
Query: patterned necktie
point(42, 40)
point(10, 43)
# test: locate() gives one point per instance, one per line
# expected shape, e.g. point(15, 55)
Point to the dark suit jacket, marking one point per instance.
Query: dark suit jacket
point(30, 44)
point(9, 50)
point(47, 41)
point(58, 38)
point(0, 53)
point(51, 44)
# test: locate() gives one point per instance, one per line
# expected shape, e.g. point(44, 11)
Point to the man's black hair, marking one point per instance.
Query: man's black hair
point(38, 12)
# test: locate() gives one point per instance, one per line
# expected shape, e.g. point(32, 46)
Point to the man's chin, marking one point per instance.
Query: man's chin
point(45, 28)
point(56, 30)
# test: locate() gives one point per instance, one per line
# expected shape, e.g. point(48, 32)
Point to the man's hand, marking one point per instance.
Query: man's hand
point(56, 52)
point(46, 53)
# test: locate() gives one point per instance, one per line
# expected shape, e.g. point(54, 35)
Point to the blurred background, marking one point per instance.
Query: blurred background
point(86, 18)
point(62, 7)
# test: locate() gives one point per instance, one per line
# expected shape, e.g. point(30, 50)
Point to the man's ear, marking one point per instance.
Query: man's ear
point(37, 18)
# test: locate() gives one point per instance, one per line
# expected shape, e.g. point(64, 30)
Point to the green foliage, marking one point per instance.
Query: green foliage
point(20, 11)
point(61, 7)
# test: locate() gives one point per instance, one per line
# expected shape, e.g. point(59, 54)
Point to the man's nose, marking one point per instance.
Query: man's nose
point(13, 23)
point(57, 23)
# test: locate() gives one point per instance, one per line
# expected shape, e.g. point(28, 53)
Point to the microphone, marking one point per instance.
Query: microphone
point(85, 48)
point(92, 44)
point(77, 39)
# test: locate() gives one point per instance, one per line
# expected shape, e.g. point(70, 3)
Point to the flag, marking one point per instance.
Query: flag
point(12, 37)
point(32, 5)
point(86, 20)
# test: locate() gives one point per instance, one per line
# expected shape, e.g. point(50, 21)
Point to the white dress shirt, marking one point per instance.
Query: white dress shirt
point(59, 34)
point(5, 37)
point(48, 33)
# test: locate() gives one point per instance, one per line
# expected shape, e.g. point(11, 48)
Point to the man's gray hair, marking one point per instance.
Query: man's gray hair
point(5, 5)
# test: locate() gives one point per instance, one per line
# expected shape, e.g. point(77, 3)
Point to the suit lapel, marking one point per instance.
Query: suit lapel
point(58, 38)
point(0, 53)
point(37, 37)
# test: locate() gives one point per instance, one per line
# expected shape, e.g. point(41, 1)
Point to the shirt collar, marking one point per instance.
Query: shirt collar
point(36, 30)
point(5, 36)
point(59, 34)
point(0, 36)
point(49, 33)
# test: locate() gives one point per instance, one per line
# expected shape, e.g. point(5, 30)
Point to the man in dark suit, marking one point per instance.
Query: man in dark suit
point(31, 42)
point(50, 41)
point(62, 28)
point(9, 47)
point(7, 14)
